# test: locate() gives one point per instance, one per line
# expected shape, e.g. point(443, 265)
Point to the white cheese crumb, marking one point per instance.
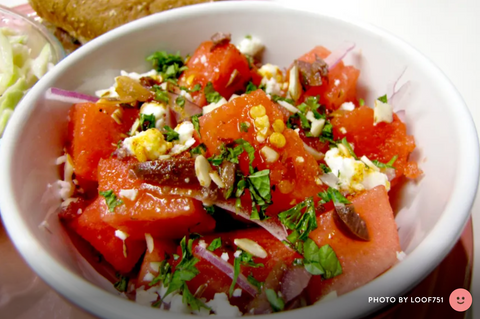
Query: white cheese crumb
point(148, 276)
point(237, 292)
point(250, 46)
point(203, 59)
point(150, 243)
point(288, 106)
point(237, 253)
point(401, 255)
point(146, 297)
point(130, 194)
point(382, 112)
point(300, 159)
point(202, 243)
point(158, 110)
point(343, 130)
point(347, 106)
point(336, 82)
point(120, 234)
point(225, 256)
point(222, 307)
point(269, 154)
point(212, 106)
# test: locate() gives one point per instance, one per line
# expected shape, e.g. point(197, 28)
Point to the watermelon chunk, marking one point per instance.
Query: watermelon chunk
point(161, 249)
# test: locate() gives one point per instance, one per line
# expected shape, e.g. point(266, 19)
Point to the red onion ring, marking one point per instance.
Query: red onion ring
point(337, 55)
point(396, 98)
point(186, 111)
point(294, 281)
point(56, 94)
point(226, 268)
point(401, 115)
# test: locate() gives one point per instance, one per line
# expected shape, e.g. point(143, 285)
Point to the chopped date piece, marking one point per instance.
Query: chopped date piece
point(312, 73)
point(352, 220)
point(168, 172)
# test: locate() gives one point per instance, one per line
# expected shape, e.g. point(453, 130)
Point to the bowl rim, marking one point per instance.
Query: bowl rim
point(431, 250)
point(57, 47)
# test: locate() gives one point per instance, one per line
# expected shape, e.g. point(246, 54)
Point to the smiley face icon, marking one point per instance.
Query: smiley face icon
point(460, 300)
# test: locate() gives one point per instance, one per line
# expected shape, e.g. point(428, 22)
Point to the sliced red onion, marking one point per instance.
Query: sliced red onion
point(336, 56)
point(396, 99)
point(56, 94)
point(294, 281)
point(187, 110)
point(401, 115)
point(392, 87)
point(170, 118)
point(316, 154)
point(227, 269)
point(272, 225)
point(390, 172)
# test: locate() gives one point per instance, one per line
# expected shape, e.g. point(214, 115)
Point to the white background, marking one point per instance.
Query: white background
point(446, 31)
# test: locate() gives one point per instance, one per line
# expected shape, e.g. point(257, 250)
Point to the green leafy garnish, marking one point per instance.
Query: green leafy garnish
point(164, 274)
point(196, 123)
point(349, 148)
point(180, 101)
point(196, 87)
point(387, 165)
point(247, 147)
point(200, 149)
point(210, 209)
point(276, 98)
point(321, 261)
point(170, 134)
point(122, 283)
point(189, 299)
point(247, 260)
point(170, 66)
point(325, 168)
point(383, 98)
point(331, 194)
point(276, 302)
point(255, 282)
point(216, 243)
point(161, 95)
point(244, 127)
point(250, 87)
point(236, 272)
point(147, 121)
point(300, 224)
point(211, 95)
point(260, 181)
point(327, 133)
point(111, 200)
point(361, 102)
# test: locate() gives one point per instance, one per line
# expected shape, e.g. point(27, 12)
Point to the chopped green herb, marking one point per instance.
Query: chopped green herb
point(303, 120)
point(190, 300)
point(327, 133)
point(325, 168)
point(331, 194)
point(170, 66)
point(236, 272)
point(383, 98)
point(122, 283)
point(196, 123)
point(196, 87)
point(260, 181)
point(244, 127)
point(170, 134)
point(276, 302)
point(111, 200)
point(164, 274)
point(211, 95)
point(361, 102)
point(300, 224)
point(387, 165)
point(249, 149)
point(210, 209)
point(180, 101)
point(255, 282)
point(216, 243)
point(276, 98)
point(161, 95)
point(247, 260)
point(200, 149)
point(248, 36)
point(349, 148)
point(175, 256)
point(147, 121)
point(250, 87)
point(321, 261)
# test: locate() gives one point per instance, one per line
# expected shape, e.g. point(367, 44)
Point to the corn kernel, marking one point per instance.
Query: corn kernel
point(262, 122)
point(278, 140)
point(258, 111)
point(190, 79)
point(278, 126)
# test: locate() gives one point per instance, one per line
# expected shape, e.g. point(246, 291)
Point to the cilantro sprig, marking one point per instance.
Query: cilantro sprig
point(170, 134)
point(215, 244)
point(386, 165)
point(170, 66)
point(111, 199)
point(211, 95)
point(147, 121)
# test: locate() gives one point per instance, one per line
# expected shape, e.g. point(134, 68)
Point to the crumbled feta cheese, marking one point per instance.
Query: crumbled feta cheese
point(250, 46)
point(350, 175)
point(401, 255)
point(272, 78)
point(269, 154)
point(225, 256)
point(300, 159)
point(130, 194)
point(185, 137)
point(382, 112)
point(272, 86)
point(212, 106)
point(158, 110)
point(150, 242)
point(222, 307)
point(347, 106)
point(202, 243)
point(288, 106)
point(237, 253)
point(343, 130)
point(203, 59)
point(112, 93)
point(336, 82)
point(146, 297)
point(147, 145)
point(317, 124)
point(237, 292)
point(148, 277)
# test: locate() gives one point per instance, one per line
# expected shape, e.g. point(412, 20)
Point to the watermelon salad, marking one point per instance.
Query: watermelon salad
point(219, 184)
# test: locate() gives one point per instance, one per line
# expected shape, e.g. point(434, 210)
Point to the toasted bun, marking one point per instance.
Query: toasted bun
point(87, 19)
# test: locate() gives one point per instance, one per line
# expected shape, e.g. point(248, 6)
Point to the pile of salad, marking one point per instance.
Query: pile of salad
point(215, 184)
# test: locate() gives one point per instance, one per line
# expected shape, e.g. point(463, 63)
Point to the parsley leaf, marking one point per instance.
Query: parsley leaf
point(276, 98)
point(332, 194)
point(236, 272)
point(196, 87)
point(327, 133)
point(196, 123)
point(216, 243)
point(161, 95)
point(300, 224)
point(349, 148)
point(180, 101)
point(164, 274)
point(321, 261)
point(211, 95)
point(276, 302)
point(250, 87)
point(325, 168)
point(210, 209)
point(147, 121)
point(170, 134)
point(111, 200)
point(383, 98)
point(122, 283)
point(387, 165)
point(361, 102)
point(255, 282)
point(244, 126)
point(200, 149)
point(170, 66)
point(189, 299)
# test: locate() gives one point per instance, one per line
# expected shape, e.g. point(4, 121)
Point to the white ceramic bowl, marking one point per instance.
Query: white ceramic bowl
point(433, 210)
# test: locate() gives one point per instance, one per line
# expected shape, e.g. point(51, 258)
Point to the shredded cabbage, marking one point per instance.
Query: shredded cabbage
point(18, 70)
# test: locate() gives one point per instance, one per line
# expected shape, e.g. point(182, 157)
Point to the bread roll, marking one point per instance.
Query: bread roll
point(87, 19)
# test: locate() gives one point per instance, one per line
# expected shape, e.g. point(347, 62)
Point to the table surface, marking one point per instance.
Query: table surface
point(445, 31)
